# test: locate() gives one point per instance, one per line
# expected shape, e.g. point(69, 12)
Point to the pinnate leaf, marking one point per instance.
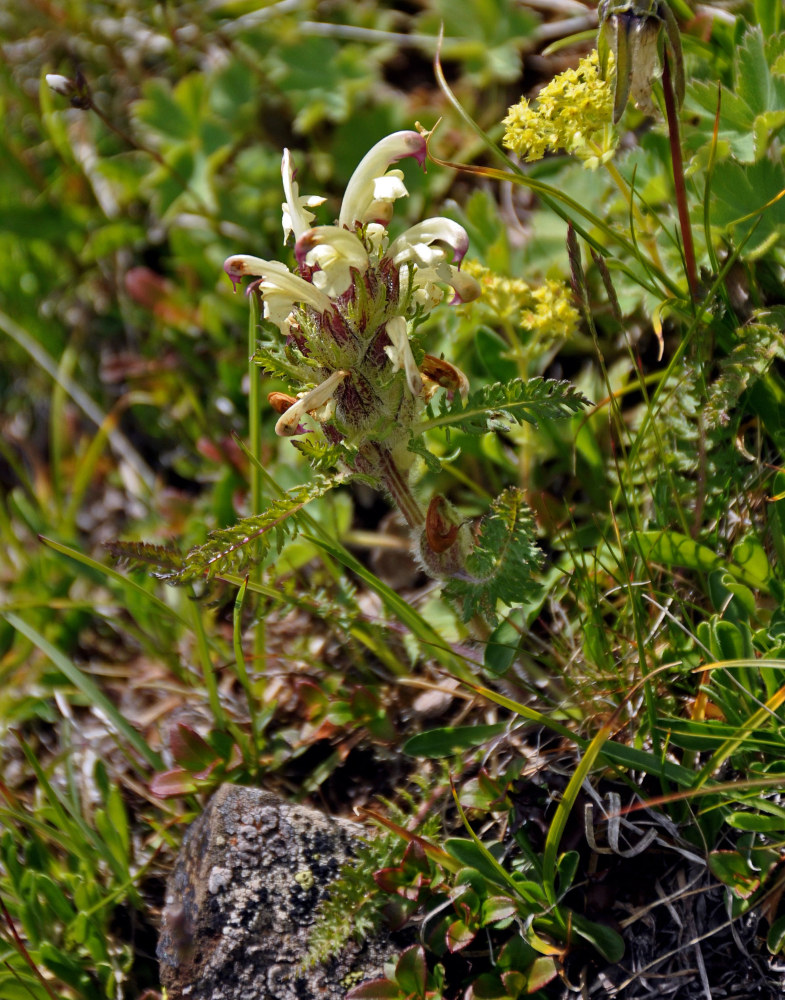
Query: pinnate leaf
point(232, 549)
point(498, 406)
point(503, 561)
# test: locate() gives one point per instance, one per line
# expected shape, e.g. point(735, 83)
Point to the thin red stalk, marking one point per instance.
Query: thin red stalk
point(678, 176)
point(24, 952)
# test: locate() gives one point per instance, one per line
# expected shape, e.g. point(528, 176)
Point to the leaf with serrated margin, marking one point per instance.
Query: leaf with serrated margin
point(163, 559)
point(285, 362)
point(759, 344)
point(232, 549)
point(752, 112)
point(324, 456)
point(744, 198)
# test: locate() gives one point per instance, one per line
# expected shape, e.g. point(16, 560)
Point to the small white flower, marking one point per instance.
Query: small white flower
point(280, 288)
point(375, 237)
point(426, 283)
point(289, 421)
point(335, 251)
point(361, 189)
point(352, 295)
point(416, 243)
point(386, 190)
point(390, 187)
point(399, 351)
point(466, 288)
point(296, 218)
point(60, 84)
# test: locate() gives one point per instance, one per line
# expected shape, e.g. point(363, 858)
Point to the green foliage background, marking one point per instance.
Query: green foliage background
point(653, 644)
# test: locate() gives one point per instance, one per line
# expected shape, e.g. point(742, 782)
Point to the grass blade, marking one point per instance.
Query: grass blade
point(89, 689)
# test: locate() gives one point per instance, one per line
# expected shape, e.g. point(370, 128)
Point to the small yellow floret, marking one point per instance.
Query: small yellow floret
point(551, 314)
point(545, 312)
point(570, 111)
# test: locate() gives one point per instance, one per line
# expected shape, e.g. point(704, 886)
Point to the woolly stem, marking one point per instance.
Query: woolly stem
point(259, 639)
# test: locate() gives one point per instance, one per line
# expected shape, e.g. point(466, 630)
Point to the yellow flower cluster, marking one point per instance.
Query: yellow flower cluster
point(551, 314)
point(570, 112)
point(545, 312)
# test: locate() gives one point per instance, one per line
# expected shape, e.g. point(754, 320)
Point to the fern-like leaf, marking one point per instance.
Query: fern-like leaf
point(163, 559)
point(748, 361)
point(497, 406)
point(286, 363)
point(324, 456)
point(232, 549)
point(501, 565)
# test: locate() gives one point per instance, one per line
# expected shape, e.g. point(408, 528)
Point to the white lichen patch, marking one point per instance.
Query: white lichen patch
point(219, 879)
point(247, 903)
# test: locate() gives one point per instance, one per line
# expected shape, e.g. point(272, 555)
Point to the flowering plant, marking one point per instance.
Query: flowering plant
point(348, 313)
point(573, 112)
point(344, 325)
point(347, 317)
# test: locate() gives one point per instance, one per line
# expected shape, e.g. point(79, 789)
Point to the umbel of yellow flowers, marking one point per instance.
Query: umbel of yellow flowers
point(572, 113)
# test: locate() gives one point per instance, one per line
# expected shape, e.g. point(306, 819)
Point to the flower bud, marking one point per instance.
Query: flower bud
point(280, 401)
point(61, 84)
point(446, 375)
point(638, 33)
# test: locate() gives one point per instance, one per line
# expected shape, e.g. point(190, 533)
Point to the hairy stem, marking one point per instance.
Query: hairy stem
point(259, 641)
point(397, 485)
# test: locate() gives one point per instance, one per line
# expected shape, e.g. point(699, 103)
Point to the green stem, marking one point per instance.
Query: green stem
point(259, 644)
point(257, 723)
point(208, 671)
point(254, 414)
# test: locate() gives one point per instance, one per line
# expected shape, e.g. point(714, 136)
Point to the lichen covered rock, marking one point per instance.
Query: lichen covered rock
point(241, 902)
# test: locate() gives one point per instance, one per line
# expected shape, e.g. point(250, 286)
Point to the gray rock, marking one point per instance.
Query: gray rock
point(241, 899)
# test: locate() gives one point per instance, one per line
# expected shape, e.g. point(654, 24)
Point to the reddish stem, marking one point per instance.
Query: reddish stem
point(24, 952)
point(678, 176)
point(397, 485)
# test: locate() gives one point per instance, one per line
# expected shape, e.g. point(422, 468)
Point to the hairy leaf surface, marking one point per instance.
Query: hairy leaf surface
point(502, 563)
